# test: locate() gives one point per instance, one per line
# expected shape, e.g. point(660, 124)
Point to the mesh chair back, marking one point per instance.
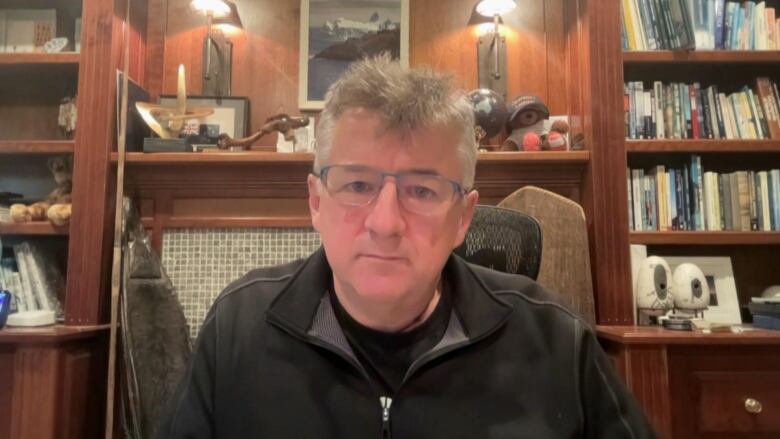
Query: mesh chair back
point(504, 240)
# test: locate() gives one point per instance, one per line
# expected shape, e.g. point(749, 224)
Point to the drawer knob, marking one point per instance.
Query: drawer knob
point(753, 406)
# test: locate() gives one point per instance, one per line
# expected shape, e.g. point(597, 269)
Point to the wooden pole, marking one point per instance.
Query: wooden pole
point(116, 268)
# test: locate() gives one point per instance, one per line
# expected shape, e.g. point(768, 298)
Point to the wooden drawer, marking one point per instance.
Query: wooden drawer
point(724, 406)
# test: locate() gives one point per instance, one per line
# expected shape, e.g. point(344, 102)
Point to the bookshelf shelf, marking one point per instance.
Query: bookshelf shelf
point(705, 238)
point(71, 58)
point(37, 146)
point(32, 228)
point(557, 157)
point(704, 56)
point(702, 146)
point(48, 334)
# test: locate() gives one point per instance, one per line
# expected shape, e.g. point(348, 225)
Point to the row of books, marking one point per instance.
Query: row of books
point(690, 111)
point(33, 278)
point(699, 24)
point(664, 198)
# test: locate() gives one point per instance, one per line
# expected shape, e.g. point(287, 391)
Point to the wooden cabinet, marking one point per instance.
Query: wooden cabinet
point(53, 382)
point(694, 385)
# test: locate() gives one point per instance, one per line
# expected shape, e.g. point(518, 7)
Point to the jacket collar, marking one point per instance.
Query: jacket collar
point(302, 303)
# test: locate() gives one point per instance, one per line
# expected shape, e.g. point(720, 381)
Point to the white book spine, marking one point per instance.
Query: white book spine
point(36, 276)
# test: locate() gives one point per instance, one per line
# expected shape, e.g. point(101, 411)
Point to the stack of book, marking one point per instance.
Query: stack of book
point(690, 199)
point(766, 312)
point(699, 24)
point(690, 111)
point(33, 278)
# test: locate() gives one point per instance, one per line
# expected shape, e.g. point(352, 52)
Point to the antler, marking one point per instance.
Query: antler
point(279, 122)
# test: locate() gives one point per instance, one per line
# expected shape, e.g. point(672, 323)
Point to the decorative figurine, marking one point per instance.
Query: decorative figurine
point(655, 288)
point(526, 124)
point(280, 122)
point(56, 206)
point(167, 122)
point(691, 290)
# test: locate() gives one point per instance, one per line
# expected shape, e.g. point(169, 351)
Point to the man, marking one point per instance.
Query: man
point(383, 332)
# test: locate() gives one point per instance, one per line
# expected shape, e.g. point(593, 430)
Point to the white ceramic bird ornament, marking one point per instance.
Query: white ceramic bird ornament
point(691, 292)
point(655, 288)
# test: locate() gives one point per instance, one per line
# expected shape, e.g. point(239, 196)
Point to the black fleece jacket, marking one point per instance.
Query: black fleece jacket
point(272, 362)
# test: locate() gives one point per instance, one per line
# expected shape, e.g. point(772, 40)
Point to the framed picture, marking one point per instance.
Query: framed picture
point(27, 30)
point(231, 116)
point(336, 33)
point(724, 302)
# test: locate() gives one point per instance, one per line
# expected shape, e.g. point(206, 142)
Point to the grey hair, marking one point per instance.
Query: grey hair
point(404, 99)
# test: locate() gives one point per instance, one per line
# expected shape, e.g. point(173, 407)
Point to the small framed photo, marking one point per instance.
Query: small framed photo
point(231, 116)
point(336, 33)
point(724, 301)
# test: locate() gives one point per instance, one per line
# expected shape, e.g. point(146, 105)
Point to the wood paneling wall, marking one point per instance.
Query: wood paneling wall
point(265, 56)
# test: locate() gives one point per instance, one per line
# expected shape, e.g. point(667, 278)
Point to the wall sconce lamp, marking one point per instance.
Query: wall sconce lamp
point(491, 63)
point(216, 46)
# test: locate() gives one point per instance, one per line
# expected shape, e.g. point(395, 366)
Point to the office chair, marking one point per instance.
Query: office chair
point(504, 240)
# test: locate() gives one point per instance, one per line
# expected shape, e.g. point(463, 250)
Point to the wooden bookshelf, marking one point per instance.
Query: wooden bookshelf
point(705, 238)
point(558, 157)
point(33, 228)
point(702, 146)
point(37, 146)
point(202, 158)
point(71, 58)
point(703, 56)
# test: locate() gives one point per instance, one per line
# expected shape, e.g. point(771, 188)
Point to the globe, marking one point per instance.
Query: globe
point(489, 110)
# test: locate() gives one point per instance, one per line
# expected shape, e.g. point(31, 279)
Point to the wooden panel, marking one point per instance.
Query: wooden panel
point(83, 368)
point(706, 238)
point(647, 376)
point(40, 58)
point(89, 256)
point(265, 55)
point(722, 406)
point(604, 191)
point(749, 362)
point(6, 390)
point(31, 96)
point(631, 335)
point(703, 146)
point(32, 228)
point(49, 334)
point(36, 146)
point(36, 385)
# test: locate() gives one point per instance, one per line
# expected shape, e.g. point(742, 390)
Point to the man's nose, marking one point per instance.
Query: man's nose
point(386, 217)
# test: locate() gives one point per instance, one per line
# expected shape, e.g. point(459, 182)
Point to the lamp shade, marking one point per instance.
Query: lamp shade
point(231, 19)
point(217, 8)
point(491, 8)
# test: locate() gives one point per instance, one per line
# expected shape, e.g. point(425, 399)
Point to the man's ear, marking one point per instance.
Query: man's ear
point(314, 200)
point(470, 203)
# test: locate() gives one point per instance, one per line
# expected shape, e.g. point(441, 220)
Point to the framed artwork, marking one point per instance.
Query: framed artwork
point(231, 116)
point(336, 33)
point(27, 30)
point(724, 302)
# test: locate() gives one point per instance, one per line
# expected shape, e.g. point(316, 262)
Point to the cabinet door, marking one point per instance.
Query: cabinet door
point(725, 392)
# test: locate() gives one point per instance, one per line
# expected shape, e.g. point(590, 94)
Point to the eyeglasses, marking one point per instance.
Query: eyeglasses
point(418, 192)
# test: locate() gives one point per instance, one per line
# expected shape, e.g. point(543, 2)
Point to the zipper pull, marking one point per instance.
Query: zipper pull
point(385, 402)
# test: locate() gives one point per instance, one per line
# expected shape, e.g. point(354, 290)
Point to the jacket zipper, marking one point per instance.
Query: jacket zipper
point(386, 402)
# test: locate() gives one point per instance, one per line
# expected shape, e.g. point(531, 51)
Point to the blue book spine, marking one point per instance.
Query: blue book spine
point(686, 190)
point(739, 17)
point(694, 206)
point(699, 192)
point(686, 101)
point(679, 196)
point(670, 199)
point(728, 25)
point(759, 201)
point(772, 200)
point(720, 13)
point(776, 199)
